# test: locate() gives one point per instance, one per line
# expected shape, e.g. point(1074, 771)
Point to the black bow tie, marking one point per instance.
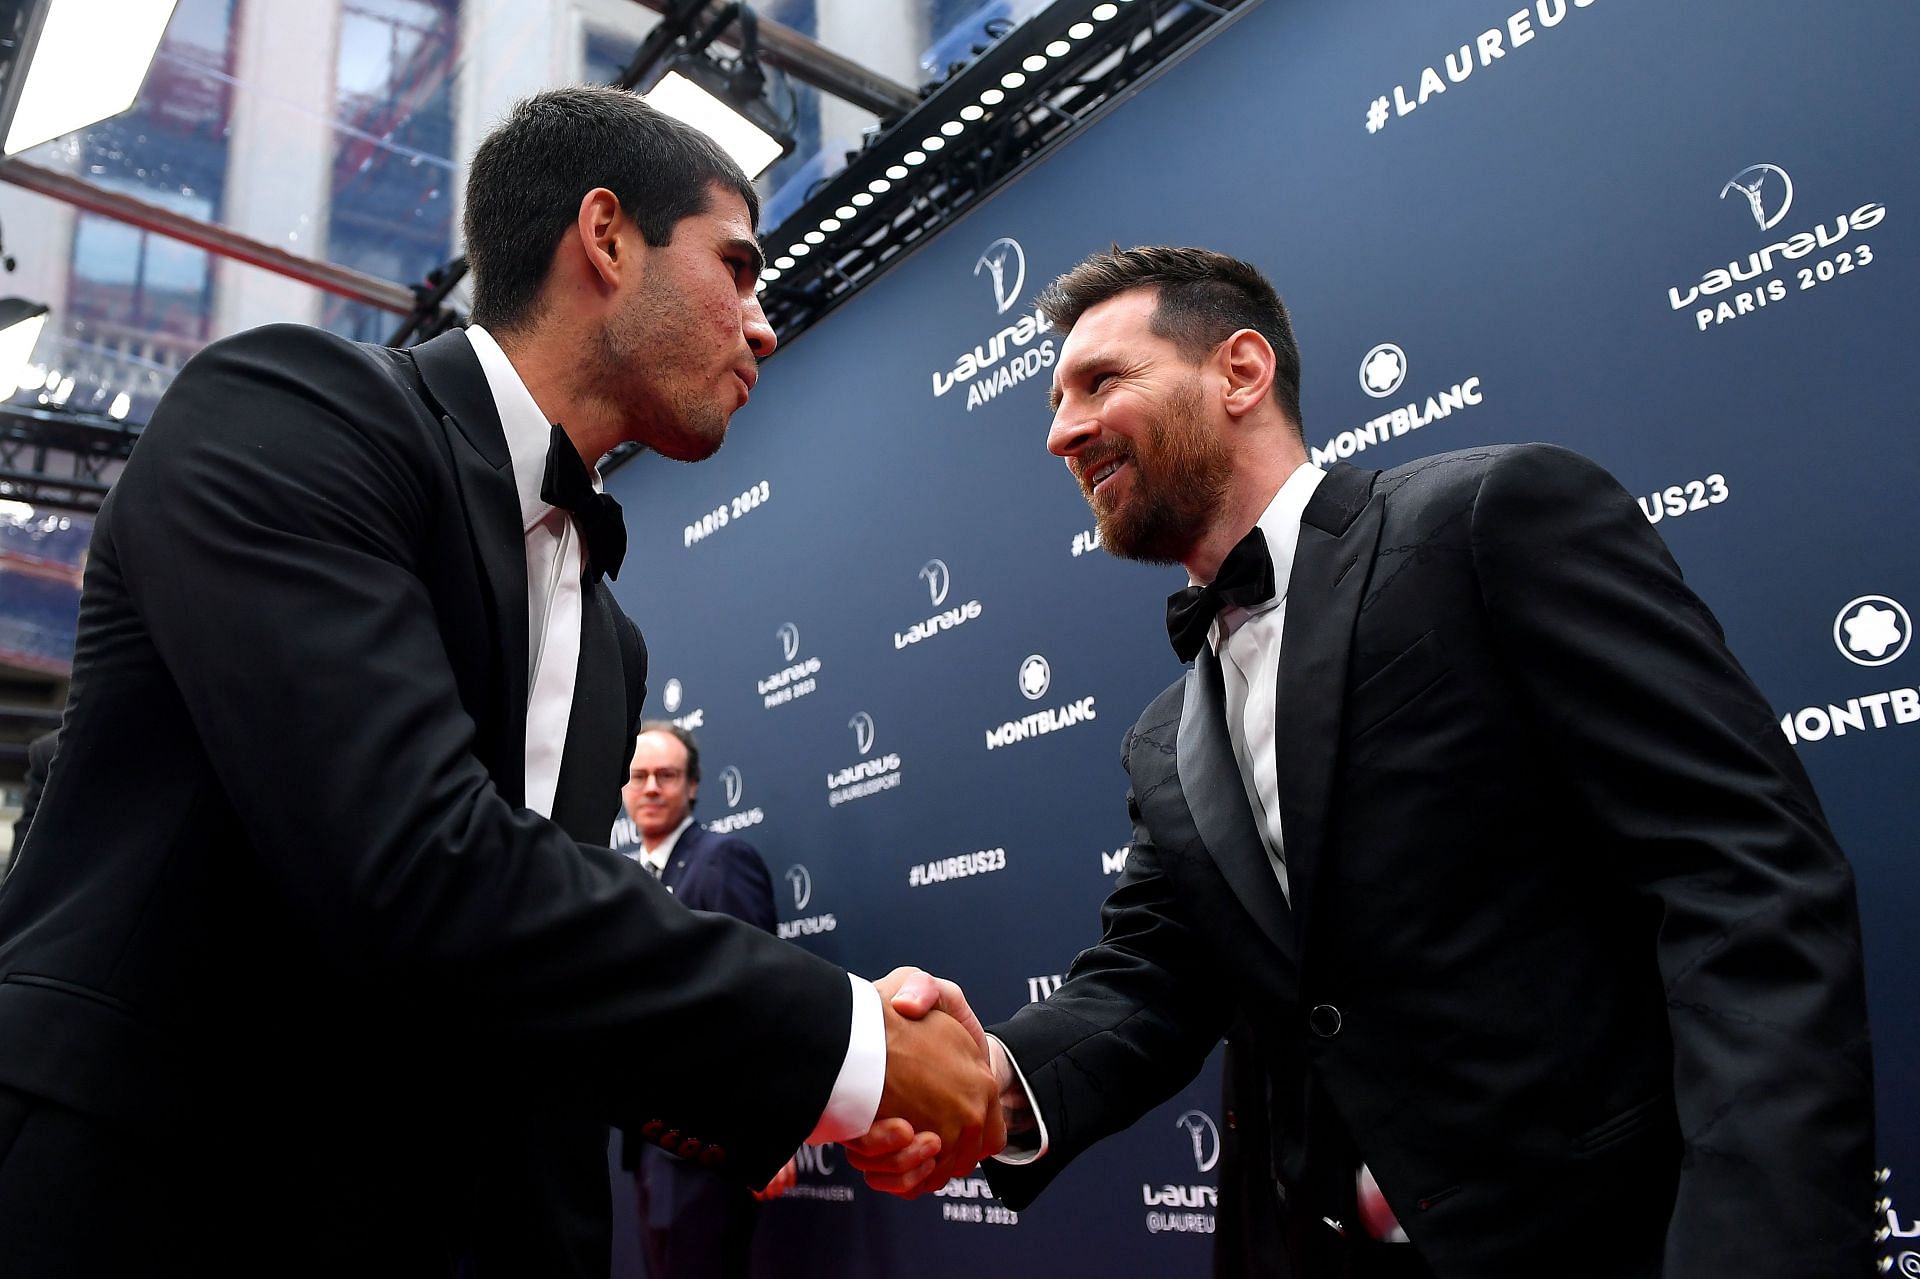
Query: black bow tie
point(568, 487)
point(1245, 579)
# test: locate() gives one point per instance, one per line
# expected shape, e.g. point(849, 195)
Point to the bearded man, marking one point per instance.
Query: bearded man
point(1546, 954)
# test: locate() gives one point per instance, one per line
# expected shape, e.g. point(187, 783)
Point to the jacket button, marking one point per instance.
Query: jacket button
point(671, 1139)
point(1324, 1020)
point(712, 1155)
point(1233, 1120)
point(651, 1130)
point(690, 1147)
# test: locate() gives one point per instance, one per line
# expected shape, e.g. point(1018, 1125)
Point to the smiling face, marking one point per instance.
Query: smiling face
point(1137, 432)
point(680, 351)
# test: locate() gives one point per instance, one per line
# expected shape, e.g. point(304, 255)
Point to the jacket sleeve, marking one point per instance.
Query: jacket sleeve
point(1132, 1023)
point(271, 527)
point(1678, 759)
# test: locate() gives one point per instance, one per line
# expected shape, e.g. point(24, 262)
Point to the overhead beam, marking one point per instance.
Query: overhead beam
point(811, 62)
point(224, 241)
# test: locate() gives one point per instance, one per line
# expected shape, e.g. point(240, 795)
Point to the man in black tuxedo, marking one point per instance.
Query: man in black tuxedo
point(317, 961)
point(1530, 913)
point(692, 1223)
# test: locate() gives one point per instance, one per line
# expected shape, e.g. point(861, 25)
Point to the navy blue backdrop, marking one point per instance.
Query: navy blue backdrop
point(1678, 238)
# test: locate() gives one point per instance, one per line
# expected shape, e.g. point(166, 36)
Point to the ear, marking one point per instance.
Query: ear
point(1246, 363)
point(598, 228)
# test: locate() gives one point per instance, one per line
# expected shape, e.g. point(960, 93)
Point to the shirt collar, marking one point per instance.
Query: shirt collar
point(527, 429)
point(660, 856)
point(1280, 523)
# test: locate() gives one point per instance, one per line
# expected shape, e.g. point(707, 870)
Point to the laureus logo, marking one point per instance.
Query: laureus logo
point(1205, 1137)
point(862, 726)
point(1001, 254)
point(1768, 191)
point(789, 636)
point(802, 886)
point(732, 784)
point(938, 580)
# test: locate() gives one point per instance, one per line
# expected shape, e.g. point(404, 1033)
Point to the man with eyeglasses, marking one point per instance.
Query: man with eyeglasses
point(693, 1224)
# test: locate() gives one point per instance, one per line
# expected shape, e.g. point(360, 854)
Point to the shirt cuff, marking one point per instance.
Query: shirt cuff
point(1023, 1148)
point(856, 1092)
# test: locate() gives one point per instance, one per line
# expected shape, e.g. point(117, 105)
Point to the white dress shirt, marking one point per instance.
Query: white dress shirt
point(656, 860)
point(1248, 644)
point(556, 556)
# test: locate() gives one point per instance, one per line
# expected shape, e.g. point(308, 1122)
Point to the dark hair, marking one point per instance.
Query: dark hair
point(686, 740)
point(528, 175)
point(1205, 298)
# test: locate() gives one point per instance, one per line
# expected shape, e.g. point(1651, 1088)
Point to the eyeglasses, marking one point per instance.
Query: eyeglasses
point(665, 776)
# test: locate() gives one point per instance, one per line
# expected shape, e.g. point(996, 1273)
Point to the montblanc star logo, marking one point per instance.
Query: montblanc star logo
point(1384, 369)
point(1872, 630)
point(1035, 677)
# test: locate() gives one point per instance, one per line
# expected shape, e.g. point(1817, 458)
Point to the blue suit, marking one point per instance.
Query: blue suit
point(693, 1223)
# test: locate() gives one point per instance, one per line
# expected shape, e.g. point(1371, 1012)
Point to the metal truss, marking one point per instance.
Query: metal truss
point(62, 459)
point(1044, 86)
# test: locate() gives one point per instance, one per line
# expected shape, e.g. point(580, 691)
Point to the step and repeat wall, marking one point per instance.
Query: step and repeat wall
point(1680, 239)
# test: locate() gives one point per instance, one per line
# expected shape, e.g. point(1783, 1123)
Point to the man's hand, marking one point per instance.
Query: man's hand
point(939, 1109)
point(894, 1156)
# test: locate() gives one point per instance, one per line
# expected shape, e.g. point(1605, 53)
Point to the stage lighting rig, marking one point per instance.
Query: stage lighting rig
point(20, 325)
point(1029, 89)
point(66, 64)
point(726, 99)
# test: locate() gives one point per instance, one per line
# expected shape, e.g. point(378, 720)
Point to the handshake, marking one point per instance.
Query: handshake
point(951, 1095)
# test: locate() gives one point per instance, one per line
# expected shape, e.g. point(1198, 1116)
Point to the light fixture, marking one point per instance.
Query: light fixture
point(1059, 49)
point(1080, 30)
point(915, 157)
point(700, 92)
point(952, 128)
point(993, 97)
point(1102, 12)
point(896, 171)
point(972, 111)
point(846, 212)
point(1034, 62)
point(66, 64)
point(783, 263)
point(20, 325)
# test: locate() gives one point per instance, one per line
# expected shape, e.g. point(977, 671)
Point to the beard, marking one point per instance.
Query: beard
point(640, 347)
point(1181, 471)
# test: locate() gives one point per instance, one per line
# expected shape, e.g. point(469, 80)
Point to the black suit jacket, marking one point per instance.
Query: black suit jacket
point(287, 953)
point(1572, 959)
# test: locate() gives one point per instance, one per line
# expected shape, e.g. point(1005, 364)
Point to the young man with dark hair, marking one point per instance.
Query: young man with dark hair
point(358, 988)
point(1529, 912)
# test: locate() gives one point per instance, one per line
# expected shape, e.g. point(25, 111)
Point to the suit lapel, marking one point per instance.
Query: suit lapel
point(483, 469)
point(1210, 784)
point(1331, 567)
